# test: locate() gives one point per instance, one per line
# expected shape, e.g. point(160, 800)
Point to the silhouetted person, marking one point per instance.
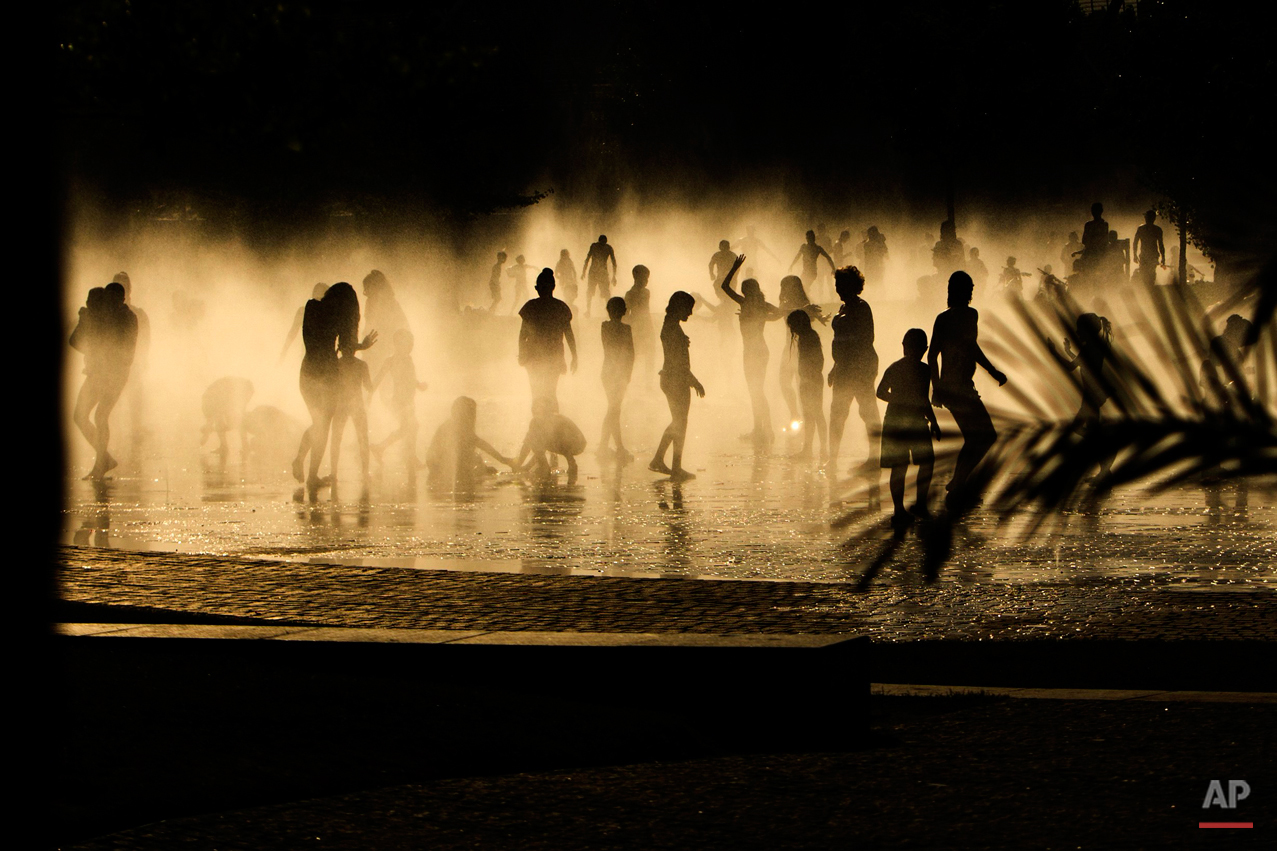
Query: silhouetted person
point(565, 276)
point(1052, 291)
point(855, 363)
point(618, 366)
point(1227, 354)
point(224, 404)
point(1095, 241)
point(1150, 250)
point(677, 383)
point(404, 388)
point(1010, 283)
point(842, 250)
point(638, 306)
point(107, 337)
point(955, 352)
point(453, 456)
point(519, 274)
point(1069, 254)
point(330, 325)
point(494, 281)
point(751, 246)
point(755, 313)
point(722, 261)
point(596, 273)
point(1094, 349)
point(909, 425)
point(547, 324)
point(810, 252)
point(977, 270)
point(811, 384)
point(316, 293)
point(1118, 259)
point(793, 296)
point(874, 250)
point(948, 255)
point(551, 433)
point(354, 379)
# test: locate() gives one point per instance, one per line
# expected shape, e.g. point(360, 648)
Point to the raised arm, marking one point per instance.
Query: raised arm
point(727, 281)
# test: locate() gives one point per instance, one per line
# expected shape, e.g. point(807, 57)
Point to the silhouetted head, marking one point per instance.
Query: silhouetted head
point(1047, 268)
point(1237, 329)
point(844, 236)
point(464, 413)
point(113, 295)
point(1010, 262)
point(915, 343)
point(518, 260)
point(1112, 236)
point(641, 274)
point(603, 238)
point(376, 285)
point(1092, 328)
point(341, 303)
point(564, 254)
point(873, 231)
point(1150, 217)
point(792, 294)
point(501, 256)
point(975, 254)
point(96, 298)
point(798, 321)
point(123, 279)
point(317, 292)
point(811, 237)
point(545, 283)
point(1073, 237)
point(960, 289)
point(1097, 210)
point(849, 282)
point(403, 341)
point(616, 308)
point(680, 306)
point(724, 245)
point(948, 230)
point(750, 289)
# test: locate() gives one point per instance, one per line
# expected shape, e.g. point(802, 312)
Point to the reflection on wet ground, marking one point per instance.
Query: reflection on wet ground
point(745, 517)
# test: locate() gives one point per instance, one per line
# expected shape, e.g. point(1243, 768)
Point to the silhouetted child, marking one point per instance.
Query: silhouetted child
point(494, 281)
point(618, 366)
point(355, 379)
point(1010, 282)
point(224, 403)
point(565, 275)
point(677, 383)
point(638, 306)
point(519, 273)
point(404, 387)
point(811, 384)
point(453, 456)
point(550, 432)
point(855, 364)
point(909, 425)
point(1093, 336)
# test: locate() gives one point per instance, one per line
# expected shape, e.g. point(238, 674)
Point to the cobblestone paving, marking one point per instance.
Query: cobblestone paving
point(343, 595)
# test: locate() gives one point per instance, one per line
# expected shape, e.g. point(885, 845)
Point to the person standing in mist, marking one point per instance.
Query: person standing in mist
point(755, 313)
point(638, 306)
point(596, 273)
point(494, 281)
point(955, 352)
point(618, 366)
point(874, 250)
point(677, 383)
point(810, 252)
point(565, 275)
point(855, 365)
point(329, 326)
point(793, 296)
point(1150, 250)
point(107, 337)
point(547, 324)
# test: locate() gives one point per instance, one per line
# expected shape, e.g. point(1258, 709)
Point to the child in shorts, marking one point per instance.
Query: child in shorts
point(550, 432)
point(909, 425)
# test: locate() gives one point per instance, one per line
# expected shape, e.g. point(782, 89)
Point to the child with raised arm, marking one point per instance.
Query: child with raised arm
point(550, 432)
point(404, 387)
point(677, 383)
point(618, 366)
point(909, 425)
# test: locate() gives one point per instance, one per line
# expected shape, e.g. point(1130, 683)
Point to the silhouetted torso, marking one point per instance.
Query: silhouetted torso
point(618, 352)
point(954, 339)
point(677, 369)
point(547, 321)
point(855, 359)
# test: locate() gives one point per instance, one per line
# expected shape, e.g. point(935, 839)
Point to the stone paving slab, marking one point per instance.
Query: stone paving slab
point(342, 596)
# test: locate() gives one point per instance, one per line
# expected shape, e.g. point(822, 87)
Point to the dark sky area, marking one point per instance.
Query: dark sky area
point(278, 111)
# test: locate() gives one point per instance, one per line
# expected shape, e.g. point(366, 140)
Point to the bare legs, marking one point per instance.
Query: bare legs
point(97, 397)
point(840, 409)
point(680, 402)
point(612, 422)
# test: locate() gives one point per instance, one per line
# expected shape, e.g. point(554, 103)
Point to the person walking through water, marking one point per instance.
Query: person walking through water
point(618, 366)
point(1094, 335)
point(329, 325)
point(810, 252)
point(547, 323)
point(494, 281)
point(794, 297)
point(755, 313)
point(638, 306)
point(107, 337)
point(811, 386)
point(565, 275)
point(677, 383)
point(955, 352)
point(595, 271)
point(909, 426)
point(855, 365)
